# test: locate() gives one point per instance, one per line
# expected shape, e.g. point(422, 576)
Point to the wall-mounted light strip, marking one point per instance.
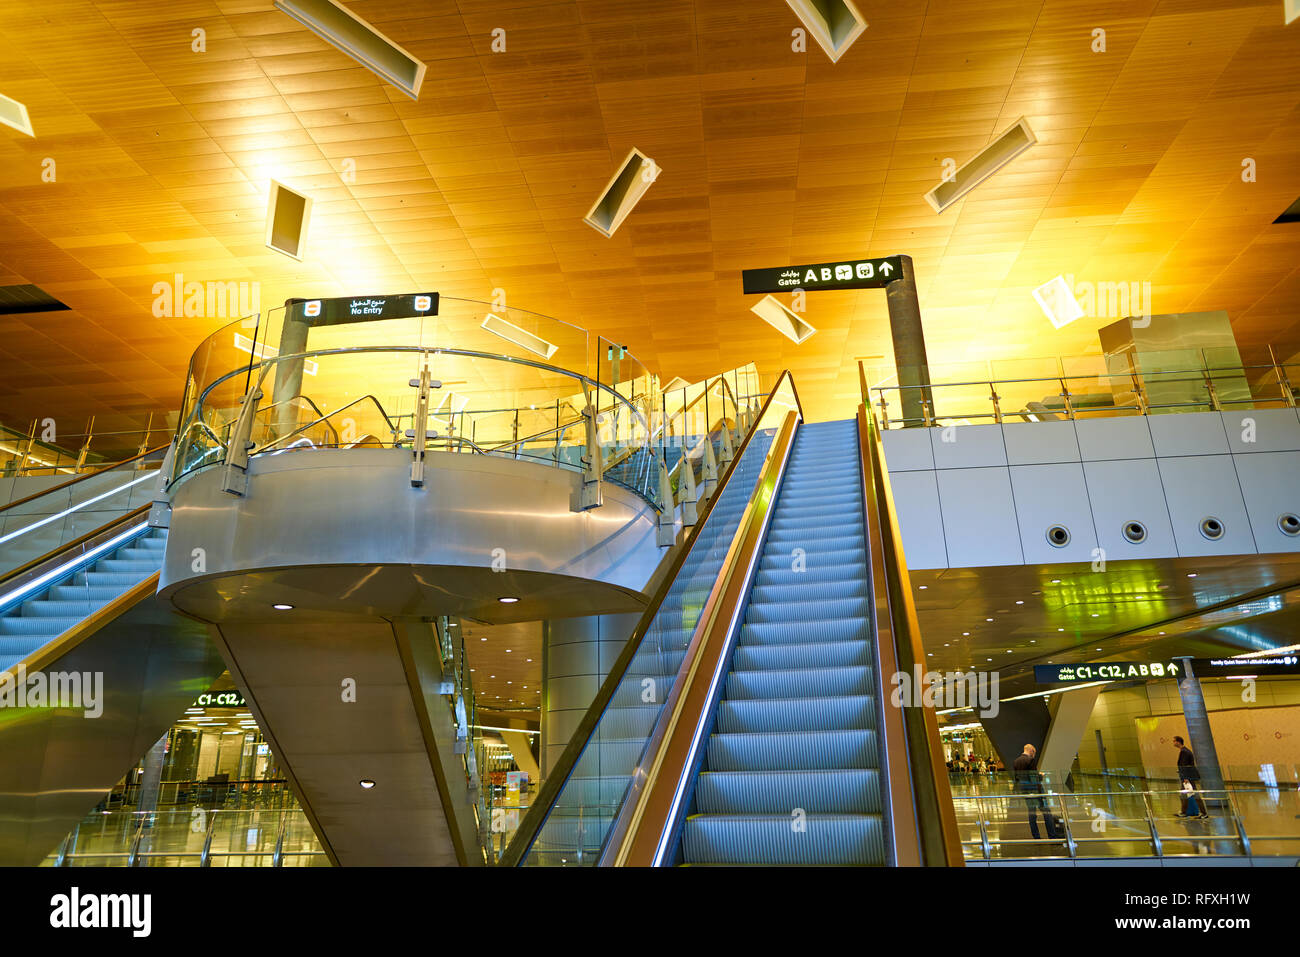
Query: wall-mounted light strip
point(784, 320)
point(520, 337)
point(834, 24)
point(1009, 144)
point(335, 24)
point(622, 193)
point(14, 115)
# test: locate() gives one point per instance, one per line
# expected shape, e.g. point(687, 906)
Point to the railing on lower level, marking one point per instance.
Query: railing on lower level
point(1066, 389)
point(1002, 819)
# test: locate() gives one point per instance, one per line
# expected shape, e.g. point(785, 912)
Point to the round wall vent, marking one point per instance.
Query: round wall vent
point(1289, 523)
point(1058, 536)
point(1135, 532)
point(1212, 528)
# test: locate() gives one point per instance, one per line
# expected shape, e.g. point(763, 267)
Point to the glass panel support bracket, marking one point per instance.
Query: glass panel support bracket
point(235, 480)
point(419, 434)
point(590, 495)
point(666, 527)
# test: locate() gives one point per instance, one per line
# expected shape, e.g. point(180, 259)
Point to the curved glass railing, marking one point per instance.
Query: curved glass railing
point(578, 805)
point(494, 389)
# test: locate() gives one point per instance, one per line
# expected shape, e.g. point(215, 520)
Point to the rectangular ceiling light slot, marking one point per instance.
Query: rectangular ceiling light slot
point(20, 299)
point(1056, 299)
point(1290, 11)
point(333, 23)
point(1292, 213)
point(1018, 138)
point(286, 220)
point(772, 311)
point(13, 113)
point(520, 337)
point(835, 24)
point(624, 191)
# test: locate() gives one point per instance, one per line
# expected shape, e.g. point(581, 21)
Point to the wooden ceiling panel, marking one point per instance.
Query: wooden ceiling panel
point(768, 156)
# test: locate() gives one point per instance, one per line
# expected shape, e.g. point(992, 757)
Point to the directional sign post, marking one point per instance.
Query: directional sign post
point(1089, 672)
point(894, 274)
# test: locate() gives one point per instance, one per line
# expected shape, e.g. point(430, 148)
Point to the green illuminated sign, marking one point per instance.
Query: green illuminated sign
point(220, 699)
point(1106, 671)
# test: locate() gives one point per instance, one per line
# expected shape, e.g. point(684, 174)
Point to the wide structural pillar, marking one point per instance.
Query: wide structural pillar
point(578, 655)
point(909, 347)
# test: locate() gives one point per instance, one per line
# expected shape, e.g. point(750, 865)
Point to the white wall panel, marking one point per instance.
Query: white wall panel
point(979, 517)
point(1048, 495)
point(1203, 486)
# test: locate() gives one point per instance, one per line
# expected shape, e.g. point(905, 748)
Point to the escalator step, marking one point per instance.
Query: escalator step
point(810, 591)
point(810, 572)
point(826, 839)
point(781, 792)
point(822, 654)
point(758, 715)
point(799, 632)
point(768, 613)
point(817, 682)
point(792, 751)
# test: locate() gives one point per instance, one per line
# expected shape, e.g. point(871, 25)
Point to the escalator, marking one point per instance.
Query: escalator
point(79, 568)
point(748, 721)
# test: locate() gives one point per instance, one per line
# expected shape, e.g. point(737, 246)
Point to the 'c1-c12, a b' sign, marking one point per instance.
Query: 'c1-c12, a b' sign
point(849, 274)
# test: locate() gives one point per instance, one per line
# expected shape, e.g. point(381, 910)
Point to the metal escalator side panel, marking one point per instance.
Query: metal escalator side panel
point(579, 781)
point(145, 664)
point(649, 822)
point(921, 822)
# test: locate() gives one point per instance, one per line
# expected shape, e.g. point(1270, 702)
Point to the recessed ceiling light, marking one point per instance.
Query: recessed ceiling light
point(924, 587)
point(1056, 299)
point(14, 114)
point(988, 619)
point(783, 319)
point(287, 217)
point(367, 784)
point(520, 337)
point(637, 174)
point(1056, 581)
point(337, 25)
point(507, 600)
point(1191, 574)
point(1020, 602)
point(1162, 632)
point(283, 607)
point(1007, 146)
point(834, 24)
point(482, 639)
point(1060, 629)
point(967, 633)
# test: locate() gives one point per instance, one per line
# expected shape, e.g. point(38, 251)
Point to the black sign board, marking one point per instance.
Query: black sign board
point(846, 274)
point(220, 699)
point(1106, 671)
point(333, 312)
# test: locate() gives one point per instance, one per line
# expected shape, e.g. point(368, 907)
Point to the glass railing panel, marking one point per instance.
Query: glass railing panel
point(590, 798)
point(49, 521)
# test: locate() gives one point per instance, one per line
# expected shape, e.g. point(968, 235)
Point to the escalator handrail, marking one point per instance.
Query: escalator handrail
point(917, 800)
point(81, 478)
point(541, 806)
point(644, 831)
point(36, 565)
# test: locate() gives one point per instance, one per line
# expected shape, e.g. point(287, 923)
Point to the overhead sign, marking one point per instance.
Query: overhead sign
point(220, 699)
point(847, 274)
point(1237, 667)
point(332, 312)
point(1173, 668)
point(1106, 671)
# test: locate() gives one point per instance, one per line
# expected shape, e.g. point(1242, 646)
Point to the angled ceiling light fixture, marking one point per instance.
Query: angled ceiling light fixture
point(1290, 11)
point(624, 191)
point(1011, 143)
point(287, 215)
point(784, 320)
point(520, 337)
point(14, 114)
point(1057, 301)
point(335, 24)
point(835, 24)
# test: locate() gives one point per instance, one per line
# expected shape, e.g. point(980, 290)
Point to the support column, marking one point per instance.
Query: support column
point(288, 375)
point(1016, 724)
point(1070, 713)
point(1199, 738)
point(577, 655)
point(909, 346)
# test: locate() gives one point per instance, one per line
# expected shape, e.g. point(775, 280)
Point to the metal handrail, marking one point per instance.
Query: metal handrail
point(923, 824)
point(554, 784)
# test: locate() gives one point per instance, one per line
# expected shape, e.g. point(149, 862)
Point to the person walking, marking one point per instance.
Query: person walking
point(1188, 775)
point(1030, 783)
